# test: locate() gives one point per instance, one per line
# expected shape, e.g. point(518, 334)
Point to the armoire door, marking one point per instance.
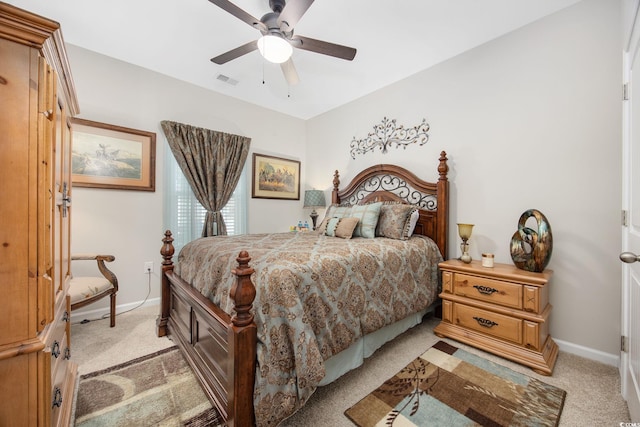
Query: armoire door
point(62, 208)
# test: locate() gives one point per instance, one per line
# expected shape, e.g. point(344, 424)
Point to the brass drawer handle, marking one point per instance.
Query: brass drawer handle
point(57, 398)
point(485, 290)
point(67, 353)
point(65, 316)
point(485, 322)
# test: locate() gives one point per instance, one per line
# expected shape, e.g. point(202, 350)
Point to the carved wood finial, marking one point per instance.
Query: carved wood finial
point(243, 292)
point(336, 185)
point(443, 168)
point(167, 249)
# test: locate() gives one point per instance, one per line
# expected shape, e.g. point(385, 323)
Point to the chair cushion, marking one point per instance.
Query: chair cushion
point(82, 288)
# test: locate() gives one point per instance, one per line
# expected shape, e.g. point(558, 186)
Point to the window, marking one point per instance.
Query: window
point(184, 215)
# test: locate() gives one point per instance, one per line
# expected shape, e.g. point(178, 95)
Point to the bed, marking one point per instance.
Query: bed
point(260, 351)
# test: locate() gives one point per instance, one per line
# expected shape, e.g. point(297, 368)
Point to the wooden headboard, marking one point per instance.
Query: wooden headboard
point(394, 183)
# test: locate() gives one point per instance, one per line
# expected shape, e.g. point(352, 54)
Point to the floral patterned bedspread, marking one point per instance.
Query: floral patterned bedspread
point(315, 296)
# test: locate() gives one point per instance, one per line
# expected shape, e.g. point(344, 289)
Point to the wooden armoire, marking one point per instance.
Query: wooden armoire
point(37, 101)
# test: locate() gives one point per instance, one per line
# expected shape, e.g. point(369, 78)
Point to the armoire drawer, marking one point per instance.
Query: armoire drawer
point(489, 323)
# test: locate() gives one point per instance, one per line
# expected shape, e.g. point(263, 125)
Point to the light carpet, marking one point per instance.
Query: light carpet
point(593, 389)
point(449, 386)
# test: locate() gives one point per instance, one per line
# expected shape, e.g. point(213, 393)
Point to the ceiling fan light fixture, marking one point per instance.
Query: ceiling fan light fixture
point(274, 48)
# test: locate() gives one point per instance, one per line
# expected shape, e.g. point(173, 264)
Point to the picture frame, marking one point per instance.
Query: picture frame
point(275, 178)
point(112, 157)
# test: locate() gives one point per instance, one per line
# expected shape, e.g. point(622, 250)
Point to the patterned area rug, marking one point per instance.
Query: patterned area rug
point(155, 390)
point(449, 386)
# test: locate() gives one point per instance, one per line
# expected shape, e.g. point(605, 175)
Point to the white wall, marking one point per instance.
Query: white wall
point(129, 224)
point(529, 120)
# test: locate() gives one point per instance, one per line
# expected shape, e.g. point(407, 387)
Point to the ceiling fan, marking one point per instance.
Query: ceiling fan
point(277, 41)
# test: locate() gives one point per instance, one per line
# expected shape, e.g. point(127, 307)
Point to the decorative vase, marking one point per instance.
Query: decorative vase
point(531, 249)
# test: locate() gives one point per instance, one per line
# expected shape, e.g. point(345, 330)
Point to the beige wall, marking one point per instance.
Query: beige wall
point(530, 120)
point(129, 224)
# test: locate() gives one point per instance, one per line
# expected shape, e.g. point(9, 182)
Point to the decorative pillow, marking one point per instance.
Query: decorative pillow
point(413, 220)
point(368, 219)
point(341, 227)
point(323, 225)
point(336, 211)
point(395, 221)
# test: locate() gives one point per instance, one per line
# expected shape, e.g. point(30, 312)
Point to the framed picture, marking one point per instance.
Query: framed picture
point(108, 156)
point(275, 178)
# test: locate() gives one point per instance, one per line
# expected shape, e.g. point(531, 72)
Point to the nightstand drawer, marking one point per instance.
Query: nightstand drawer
point(483, 289)
point(487, 322)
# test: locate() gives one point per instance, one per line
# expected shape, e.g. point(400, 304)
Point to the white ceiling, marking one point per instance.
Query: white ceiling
point(395, 39)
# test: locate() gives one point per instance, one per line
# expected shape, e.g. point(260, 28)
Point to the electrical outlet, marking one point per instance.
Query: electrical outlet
point(148, 267)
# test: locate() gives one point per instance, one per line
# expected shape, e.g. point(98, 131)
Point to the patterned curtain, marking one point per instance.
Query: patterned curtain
point(212, 163)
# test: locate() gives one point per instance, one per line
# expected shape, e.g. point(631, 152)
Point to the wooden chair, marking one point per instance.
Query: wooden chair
point(86, 290)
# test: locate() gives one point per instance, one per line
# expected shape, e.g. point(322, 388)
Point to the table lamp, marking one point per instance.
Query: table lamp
point(464, 230)
point(314, 199)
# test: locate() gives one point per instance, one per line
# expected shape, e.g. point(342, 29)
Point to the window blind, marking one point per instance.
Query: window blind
point(184, 215)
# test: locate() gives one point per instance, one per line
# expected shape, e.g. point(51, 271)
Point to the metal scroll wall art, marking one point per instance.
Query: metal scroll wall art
point(387, 134)
point(531, 249)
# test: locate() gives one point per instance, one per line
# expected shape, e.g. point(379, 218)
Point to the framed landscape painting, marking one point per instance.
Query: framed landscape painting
point(275, 178)
point(109, 156)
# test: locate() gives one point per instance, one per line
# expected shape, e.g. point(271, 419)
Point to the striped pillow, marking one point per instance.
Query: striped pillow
point(368, 219)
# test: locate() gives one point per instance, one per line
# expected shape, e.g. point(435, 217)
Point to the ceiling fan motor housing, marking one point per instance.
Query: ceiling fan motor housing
point(277, 5)
point(271, 21)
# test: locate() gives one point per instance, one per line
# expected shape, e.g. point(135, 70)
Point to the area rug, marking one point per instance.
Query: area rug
point(447, 386)
point(154, 390)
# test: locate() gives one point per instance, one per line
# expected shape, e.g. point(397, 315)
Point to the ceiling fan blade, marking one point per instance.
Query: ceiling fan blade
point(326, 48)
point(290, 73)
point(292, 12)
point(239, 13)
point(235, 53)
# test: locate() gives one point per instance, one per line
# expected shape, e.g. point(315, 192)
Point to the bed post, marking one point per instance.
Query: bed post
point(166, 251)
point(243, 342)
point(336, 184)
point(443, 206)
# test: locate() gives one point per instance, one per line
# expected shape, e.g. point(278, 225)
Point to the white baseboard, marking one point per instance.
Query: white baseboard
point(589, 353)
point(80, 315)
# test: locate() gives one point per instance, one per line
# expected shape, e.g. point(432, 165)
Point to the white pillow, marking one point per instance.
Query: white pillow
point(413, 220)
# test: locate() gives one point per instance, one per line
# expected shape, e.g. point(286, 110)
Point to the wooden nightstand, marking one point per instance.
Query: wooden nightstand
point(502, 310)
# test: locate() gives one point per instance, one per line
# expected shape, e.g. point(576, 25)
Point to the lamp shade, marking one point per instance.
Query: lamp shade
point(274, 49)
point(314, 199)
point(464, 230)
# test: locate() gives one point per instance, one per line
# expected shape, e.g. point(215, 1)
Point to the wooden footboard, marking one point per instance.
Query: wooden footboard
point(221, 349)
